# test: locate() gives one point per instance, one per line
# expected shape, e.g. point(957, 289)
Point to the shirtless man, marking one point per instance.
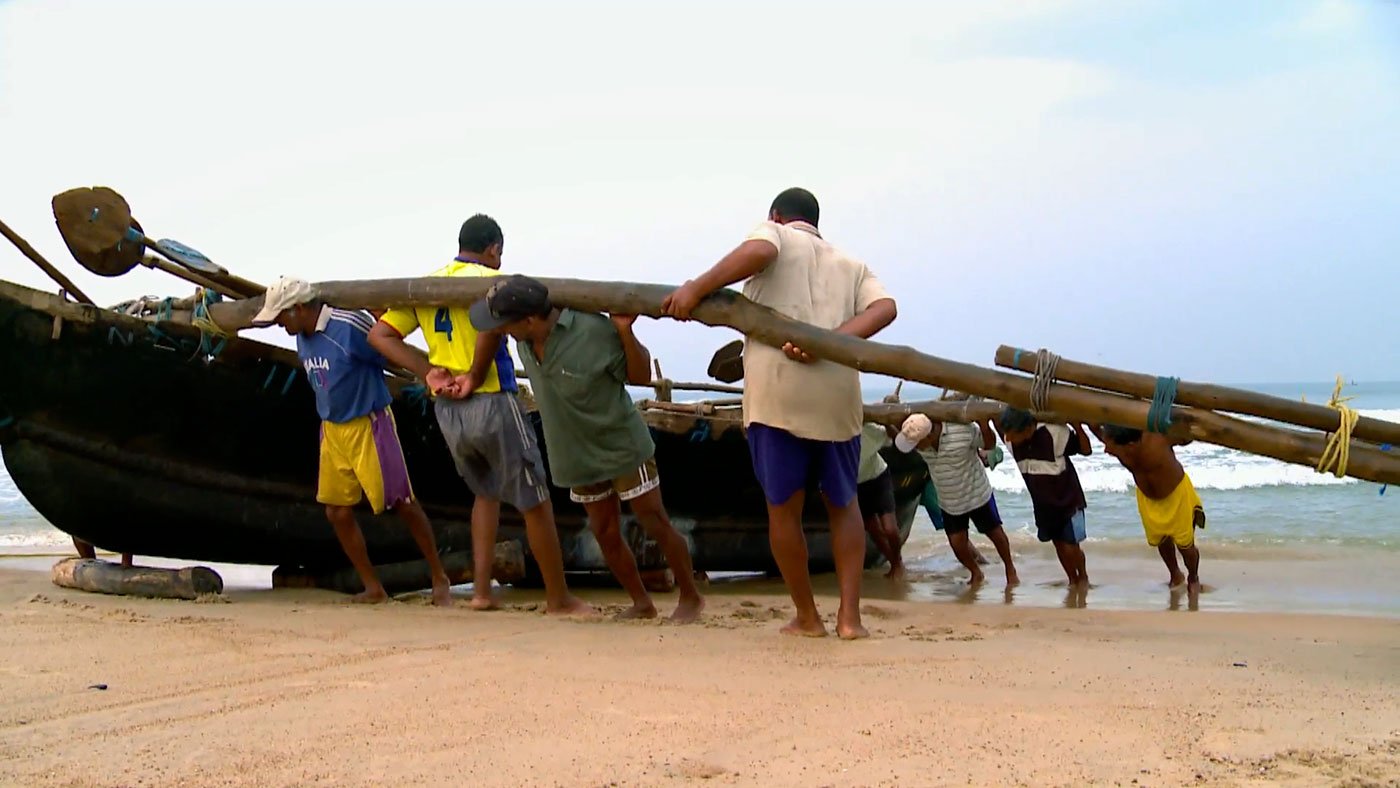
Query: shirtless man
point(1170, 508)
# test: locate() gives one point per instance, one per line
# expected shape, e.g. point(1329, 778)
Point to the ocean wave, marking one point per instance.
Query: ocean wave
point(50, 537)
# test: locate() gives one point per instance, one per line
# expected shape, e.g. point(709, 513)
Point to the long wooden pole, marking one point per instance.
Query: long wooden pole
point(38, 259)
point(728, 308)
point(1204, 395)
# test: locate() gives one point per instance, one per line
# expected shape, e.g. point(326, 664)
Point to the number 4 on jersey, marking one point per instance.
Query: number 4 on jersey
point(442, 323)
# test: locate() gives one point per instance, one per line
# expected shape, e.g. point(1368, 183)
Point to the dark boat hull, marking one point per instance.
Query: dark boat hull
point(126, 435)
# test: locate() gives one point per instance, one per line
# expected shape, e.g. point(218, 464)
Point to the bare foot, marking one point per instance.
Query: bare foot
point(977, 578)
point(806, 629)
point(855, 632)
point(896, 572)
point(487, 602)
point(1176, 580)
point(442, 593)
point(1193, 586)
point(1012, 579)
point(981, 559)
point(637, 611)
point(571, 606)
point(688, 610)
point(371, 596)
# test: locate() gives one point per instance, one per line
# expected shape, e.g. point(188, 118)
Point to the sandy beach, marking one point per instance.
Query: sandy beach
point(301, 688)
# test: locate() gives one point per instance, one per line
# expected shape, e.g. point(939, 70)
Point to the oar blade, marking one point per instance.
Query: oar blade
point(189, 257)
point(93, 220)
point(727, 365)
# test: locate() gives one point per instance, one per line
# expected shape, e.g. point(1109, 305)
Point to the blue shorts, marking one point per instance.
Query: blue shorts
point(1069, 531)
point(785, 464)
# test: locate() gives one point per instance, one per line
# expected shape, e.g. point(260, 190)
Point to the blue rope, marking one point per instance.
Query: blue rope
point(1159, 413)
point(271, 373)
point(291, 376)
point(114, 336)
point(417, 393)
point(1016, 359)
point(200, 318)
point(1384, 447)
point(700, 433)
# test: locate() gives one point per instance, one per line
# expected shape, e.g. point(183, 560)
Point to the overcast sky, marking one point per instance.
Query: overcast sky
point(1205, 189)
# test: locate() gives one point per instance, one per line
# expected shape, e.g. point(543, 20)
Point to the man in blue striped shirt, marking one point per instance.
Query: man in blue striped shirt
point(360, 451)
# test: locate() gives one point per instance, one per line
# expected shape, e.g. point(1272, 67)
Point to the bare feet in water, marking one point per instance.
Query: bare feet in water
point(805, 628)
point(370, 596)
point(688, 610)
point(1012, 579)
point(487, 602)
point(977, 578)
point(637, 611)
point(896, 572)
point(1176, 580)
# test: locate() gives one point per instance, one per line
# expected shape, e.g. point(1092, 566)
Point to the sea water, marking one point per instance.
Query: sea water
point(1279, 537)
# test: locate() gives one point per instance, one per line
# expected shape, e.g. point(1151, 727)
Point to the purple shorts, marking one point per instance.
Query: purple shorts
point(785, 463)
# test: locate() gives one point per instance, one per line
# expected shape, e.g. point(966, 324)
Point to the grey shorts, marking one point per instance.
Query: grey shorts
point(494, 448)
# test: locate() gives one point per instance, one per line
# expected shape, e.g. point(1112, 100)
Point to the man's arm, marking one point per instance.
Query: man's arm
point(747, 259)
point(989, 434)
point(390, 343)
point(638, 357)
point(870, 322)
point(483, 355)
point(1082, 433)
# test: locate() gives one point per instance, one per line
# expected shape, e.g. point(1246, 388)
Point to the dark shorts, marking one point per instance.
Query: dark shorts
point(494, 448)
point(985, 517)
point(876, 497)
point(1059, 529)
point(785, 463)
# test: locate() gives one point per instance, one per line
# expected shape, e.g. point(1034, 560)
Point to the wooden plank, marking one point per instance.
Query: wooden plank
point(104, 577)
point(729, 308)
point(1205, 395)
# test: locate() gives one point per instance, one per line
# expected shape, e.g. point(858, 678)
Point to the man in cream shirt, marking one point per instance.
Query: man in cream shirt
point(803, 414)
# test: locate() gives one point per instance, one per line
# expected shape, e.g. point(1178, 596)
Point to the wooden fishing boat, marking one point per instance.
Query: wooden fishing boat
point(150, 437)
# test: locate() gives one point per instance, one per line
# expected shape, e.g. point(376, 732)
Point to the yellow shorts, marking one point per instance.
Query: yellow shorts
point(1174, 517)
point(363, 455)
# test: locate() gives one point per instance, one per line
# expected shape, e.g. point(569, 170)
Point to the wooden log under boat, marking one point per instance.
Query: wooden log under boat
point(507, 566)
point(105, 577)
point(122, 433)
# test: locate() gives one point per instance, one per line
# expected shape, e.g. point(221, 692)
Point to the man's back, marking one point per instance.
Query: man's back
point(814, 282)
point(449, 333)
point(957, 470)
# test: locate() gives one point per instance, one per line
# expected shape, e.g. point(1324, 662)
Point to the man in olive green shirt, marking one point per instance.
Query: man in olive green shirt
point(579, 364)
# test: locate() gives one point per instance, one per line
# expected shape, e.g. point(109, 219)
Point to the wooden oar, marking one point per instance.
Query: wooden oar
point(97, 226)
point(48, 268)
point(729, 308)
point(1205, 395)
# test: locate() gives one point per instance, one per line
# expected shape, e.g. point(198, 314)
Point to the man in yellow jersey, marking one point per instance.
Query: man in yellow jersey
point(472, 377)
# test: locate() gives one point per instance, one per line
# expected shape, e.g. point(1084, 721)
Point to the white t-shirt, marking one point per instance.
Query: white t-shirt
point(872, 439)
point(957, 471)
point(814, 282)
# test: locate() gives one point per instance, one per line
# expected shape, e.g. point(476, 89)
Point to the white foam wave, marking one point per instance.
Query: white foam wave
point(51, 537)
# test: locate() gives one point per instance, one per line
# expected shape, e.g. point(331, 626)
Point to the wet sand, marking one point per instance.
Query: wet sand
point(301, 688)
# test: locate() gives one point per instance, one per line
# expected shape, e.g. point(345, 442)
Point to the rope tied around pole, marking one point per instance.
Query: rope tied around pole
point(1159, 413)
point(1045, 366)
point(200, 319)
point(1338, 451)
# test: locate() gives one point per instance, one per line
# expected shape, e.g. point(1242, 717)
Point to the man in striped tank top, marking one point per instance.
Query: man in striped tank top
point(964, 493)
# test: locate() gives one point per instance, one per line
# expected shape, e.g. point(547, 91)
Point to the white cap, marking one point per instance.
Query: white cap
point(282, 295)
point(912, 433)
